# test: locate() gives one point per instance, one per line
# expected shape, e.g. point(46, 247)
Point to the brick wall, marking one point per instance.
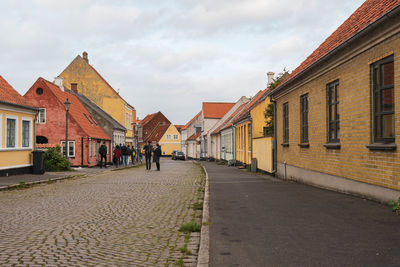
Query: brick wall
point(353, 160)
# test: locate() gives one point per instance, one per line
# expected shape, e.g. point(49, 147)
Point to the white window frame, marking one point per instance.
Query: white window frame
point(30, 131)
point(177, 137)
point(38, 116)
point(16, 131)
point(168, 137)
point(62, 148)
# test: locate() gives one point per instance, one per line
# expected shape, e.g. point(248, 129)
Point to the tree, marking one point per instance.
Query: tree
point(269, 111)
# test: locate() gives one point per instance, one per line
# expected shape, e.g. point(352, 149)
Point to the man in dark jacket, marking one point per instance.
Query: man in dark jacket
point(147, 154)
point(103, 155)
point(157, 155)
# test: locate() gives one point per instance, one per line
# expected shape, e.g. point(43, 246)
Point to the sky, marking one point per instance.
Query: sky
point(169, 55)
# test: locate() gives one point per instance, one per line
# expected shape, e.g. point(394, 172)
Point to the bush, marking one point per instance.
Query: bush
point(55, 161)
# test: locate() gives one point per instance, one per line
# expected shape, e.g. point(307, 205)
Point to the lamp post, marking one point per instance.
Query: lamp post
point(66, 105)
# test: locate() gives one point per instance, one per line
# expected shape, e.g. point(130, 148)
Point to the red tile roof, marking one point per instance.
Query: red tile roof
point(216, 110)
point(194, 136)
point(158, 133)
point(229, 121)
point(10, 95)
point(253, 102)
point(147, 118)
point(179, 127)
point(76, 111)
point(367, 13)
point(187, 124)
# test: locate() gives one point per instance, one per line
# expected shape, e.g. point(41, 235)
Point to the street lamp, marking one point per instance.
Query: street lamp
point(66, 105)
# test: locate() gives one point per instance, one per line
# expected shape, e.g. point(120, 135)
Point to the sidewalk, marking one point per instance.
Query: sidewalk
point(258, 220)
point(7, 182)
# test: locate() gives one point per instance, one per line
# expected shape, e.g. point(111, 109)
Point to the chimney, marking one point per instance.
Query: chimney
point(74, 87)
point(270, 75)
point(85, 56)
point(59, 82)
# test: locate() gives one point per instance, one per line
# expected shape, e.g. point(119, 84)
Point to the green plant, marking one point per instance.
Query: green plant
point(269, 120)
point(198, 206)
point(185, 250)
point(179, 263)
point(54, 160)
point(395, 206)
point(191, 226)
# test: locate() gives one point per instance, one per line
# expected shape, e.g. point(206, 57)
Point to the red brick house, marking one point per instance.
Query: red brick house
point(84, 134)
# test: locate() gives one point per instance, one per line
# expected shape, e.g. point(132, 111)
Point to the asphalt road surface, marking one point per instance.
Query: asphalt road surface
point(257, 220)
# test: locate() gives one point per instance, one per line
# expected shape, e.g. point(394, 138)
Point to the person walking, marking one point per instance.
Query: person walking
point(124, 151)
point(116, 155)
point(103, 155)
point(157, 155)
point(133, 154)
point(147, 154)
point(141, 155)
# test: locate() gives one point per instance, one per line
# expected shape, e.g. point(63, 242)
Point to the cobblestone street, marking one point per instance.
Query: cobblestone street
point(126, 217)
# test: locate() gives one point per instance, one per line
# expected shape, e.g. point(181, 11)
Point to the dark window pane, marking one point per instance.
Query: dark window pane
point(388, 125)
point(377, 127)
point(387, 74)
point(387, 99)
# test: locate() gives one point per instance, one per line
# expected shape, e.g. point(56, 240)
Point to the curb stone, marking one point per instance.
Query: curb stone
point(204, 251)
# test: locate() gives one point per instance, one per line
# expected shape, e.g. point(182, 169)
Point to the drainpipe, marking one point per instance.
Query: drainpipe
point(34, 131)
point(274, 147)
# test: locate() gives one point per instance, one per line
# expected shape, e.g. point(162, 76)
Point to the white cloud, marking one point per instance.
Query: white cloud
point(166, 55)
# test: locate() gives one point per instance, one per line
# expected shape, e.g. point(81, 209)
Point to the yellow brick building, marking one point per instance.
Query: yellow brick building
point(338, 113)
point(170, 141)
point(261, 143)
point(81, 77)
point(17, 131)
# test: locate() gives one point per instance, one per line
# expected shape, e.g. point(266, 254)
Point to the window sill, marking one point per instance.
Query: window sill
point(285, 144)
point(332, 146)
point(304, 145)
point(382, 147)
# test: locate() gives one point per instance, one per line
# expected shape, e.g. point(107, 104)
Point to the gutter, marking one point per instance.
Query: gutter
point(274, 147)
point(20, 106)
point(392, 13)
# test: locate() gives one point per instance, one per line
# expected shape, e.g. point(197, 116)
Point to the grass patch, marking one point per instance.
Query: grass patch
point(198, 206)
point(192, 226)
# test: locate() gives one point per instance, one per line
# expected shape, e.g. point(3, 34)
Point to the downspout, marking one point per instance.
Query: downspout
point(234, 143)
point(274, 147)
point(34, 131)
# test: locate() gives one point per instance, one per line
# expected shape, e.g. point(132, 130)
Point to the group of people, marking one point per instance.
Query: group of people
point(123, 155)
point(148, 150)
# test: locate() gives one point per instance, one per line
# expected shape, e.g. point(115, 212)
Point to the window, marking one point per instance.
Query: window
point(26, 133)
point(41, 117)
point(128, 120)
point(71, 148)
point(383, 100)
point(176, 137)
point(286, 122)
point(304, 119)
point(333, 112)
point(168, 137)
point(11, 132)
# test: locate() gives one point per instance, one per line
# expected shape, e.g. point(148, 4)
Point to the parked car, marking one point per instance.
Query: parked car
point(180, 155)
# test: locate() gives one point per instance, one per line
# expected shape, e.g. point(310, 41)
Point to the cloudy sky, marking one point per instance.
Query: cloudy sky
point(168, 55)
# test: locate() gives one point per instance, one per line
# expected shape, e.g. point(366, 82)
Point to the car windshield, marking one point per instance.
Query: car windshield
point(180, 153)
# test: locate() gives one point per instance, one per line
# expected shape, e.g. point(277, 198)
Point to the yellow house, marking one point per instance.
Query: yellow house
point(17, 131)
point(262, 144)
point(170, 141)
point(243, 131)
point(82, 78)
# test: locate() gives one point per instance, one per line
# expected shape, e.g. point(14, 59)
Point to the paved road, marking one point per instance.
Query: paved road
point(118, 218)
point(257, 220)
